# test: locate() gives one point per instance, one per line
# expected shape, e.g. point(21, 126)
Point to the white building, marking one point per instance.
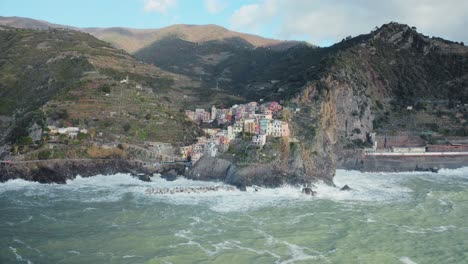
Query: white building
point(124, 80)
point(238, 127)
point(213, 112)
point(52, 129)
point(276, 128)
point(259, 140)
point(230, 133)
point(212, 149)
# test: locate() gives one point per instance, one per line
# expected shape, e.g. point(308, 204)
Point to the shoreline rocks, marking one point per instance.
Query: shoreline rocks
point(309, 191)
point(59, 171)
point(346, 188)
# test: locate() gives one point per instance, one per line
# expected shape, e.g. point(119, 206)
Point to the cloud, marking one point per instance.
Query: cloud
point(321, 21)
point(254, 15)
point(159, 6)
point(215, 6)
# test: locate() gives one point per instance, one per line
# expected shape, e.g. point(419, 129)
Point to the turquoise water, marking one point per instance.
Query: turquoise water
point(388, 218)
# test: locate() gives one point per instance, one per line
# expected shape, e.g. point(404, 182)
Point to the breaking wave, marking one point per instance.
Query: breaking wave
point(366, 187)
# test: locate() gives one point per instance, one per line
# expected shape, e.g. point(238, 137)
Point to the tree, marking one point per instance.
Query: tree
point(126, 127)
point(44, 154)
point(82, 136)
point(92, 133)
point(105, 88)
point(15, 149)
point(286, 115)
point(26, 141)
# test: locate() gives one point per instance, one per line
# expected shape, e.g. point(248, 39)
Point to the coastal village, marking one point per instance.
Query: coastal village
point(223, 126)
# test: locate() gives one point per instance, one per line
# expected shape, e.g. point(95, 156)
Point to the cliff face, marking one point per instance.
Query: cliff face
point(359, 83)
point(375, 76)
point(363, 80)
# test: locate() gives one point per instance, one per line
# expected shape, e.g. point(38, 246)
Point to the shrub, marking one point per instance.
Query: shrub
point(26, 141)
point(126, 127)
point(44, 154)
point(105, 88)
point(58, 114)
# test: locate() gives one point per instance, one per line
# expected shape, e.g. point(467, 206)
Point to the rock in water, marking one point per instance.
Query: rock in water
point(144, 177)
point(242, 188)
point(308, 191)
point(346, 188)
point(170, 176)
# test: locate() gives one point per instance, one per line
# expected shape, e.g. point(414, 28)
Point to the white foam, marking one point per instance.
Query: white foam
point(18, 256)
point(366, 187)
point(407, 260)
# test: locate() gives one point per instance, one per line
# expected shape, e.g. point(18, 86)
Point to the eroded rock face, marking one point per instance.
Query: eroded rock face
point(211, 169)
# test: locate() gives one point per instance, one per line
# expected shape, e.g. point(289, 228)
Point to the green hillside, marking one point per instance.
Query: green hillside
point(43, 72)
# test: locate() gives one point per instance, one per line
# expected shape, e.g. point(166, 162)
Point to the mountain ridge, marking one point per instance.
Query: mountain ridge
point(133, 39)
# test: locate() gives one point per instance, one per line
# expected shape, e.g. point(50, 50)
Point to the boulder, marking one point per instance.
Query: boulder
point(345, 188)
point(308, 191)
point(144, 177)
point(170, 175)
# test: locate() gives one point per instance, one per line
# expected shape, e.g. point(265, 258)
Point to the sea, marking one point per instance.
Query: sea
point(417, 217)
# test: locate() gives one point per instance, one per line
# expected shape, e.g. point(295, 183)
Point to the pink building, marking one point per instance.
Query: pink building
point(275, 107)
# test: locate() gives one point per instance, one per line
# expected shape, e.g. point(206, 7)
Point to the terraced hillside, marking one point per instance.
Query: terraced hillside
point(74, 72)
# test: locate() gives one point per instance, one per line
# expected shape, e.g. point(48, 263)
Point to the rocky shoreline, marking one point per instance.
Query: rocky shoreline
point(213, 169)
point(59, 171)
point(206, 169)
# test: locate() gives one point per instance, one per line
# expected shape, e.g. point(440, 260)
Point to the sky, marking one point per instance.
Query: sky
point(320, 22)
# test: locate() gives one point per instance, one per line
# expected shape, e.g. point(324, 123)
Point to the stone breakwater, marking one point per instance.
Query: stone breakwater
point(189, 190)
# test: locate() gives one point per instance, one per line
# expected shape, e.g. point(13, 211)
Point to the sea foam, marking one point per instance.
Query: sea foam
point(366, 187)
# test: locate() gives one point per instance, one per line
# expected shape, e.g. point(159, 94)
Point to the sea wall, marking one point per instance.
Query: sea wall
point(401, 163)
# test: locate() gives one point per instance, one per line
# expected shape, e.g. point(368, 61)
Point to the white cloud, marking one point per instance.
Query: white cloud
point(159, 6)
point(321, 20)
point(215, 6)
point(254, 15)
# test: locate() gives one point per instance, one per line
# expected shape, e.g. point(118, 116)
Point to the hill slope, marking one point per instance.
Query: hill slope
point(68, 76)
point(132, 40)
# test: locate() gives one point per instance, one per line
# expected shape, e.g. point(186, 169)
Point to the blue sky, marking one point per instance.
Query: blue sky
point(320, 22)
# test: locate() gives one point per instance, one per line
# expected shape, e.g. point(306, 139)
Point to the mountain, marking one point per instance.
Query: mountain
point(28, 23)
point(378, 76)
point(66, 77)
point(133, 40)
